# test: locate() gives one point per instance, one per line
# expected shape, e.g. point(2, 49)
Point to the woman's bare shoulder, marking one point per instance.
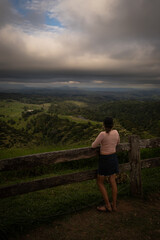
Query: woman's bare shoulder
point(114, 131)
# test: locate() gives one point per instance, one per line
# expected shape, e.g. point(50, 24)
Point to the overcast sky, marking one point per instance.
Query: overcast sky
point(93, 43)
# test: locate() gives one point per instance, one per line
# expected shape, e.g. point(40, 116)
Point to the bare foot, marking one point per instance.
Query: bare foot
point(114, 208)
point(104, 209)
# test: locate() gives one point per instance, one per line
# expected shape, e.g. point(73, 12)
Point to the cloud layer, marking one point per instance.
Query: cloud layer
point(105, 42)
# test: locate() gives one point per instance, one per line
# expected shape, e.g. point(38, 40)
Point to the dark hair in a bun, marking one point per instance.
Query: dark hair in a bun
point(108, 124)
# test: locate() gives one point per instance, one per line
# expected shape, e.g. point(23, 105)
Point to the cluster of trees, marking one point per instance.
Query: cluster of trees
point(51, 128)
point(10, 136)
point(139, 117)
point(45, 128)
point(28, 113)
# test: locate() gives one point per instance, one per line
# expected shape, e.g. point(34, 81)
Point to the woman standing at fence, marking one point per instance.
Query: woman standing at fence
point(108, 163)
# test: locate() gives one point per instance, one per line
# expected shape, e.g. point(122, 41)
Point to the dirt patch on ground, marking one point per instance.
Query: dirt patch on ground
point(134, 220)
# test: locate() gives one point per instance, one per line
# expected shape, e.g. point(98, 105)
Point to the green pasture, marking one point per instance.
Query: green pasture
point(76, 103)
point(13, 109)
point(79, 119)
point(11, 112)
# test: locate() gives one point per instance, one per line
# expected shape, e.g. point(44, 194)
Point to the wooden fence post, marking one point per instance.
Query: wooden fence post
point(135, 163)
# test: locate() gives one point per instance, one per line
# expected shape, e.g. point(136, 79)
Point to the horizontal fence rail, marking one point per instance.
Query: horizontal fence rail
point(47, 158)
point(149, 143)
point(66, 155)
point(134, 166)
point(41, 184)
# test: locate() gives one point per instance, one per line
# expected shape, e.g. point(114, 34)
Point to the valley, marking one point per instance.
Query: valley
point(69, 119)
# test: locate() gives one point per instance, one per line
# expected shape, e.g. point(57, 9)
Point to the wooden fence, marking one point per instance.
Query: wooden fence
point(134, 166)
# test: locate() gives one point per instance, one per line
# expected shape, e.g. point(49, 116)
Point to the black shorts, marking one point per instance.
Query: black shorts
point(108, 164)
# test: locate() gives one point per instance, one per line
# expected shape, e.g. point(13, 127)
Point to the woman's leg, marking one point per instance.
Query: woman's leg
point(113, 183)
point(100, 182)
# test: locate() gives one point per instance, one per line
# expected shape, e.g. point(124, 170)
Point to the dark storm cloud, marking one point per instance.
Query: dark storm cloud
point(113, 42)
point(96, 78)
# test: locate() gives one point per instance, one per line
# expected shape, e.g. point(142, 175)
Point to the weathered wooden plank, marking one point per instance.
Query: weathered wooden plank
point(123, 147)
point(47, 158)
point(124, 167)
point(66, 155)
point(149, 143)
point(53, 157)
point(36, 185)
point(146, 163)
point(150, 163)
point(41, 184)
point(135, 174)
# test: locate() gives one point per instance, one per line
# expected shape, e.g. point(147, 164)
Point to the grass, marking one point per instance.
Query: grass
point(76, 103)
point(151, 180)
point(22, 213)
point(150, 153)
point(78, 119)
point(13, 109)
point(134, 220)
point(16, 152)
point(18, 176)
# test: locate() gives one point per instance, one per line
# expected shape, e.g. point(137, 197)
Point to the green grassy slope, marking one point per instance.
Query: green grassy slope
point(23, 132)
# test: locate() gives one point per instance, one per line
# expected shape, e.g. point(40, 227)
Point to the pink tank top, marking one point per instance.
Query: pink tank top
point(107, 141)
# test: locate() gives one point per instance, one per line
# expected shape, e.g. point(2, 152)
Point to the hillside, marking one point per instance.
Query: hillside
point(45, 128)
point(73, 120)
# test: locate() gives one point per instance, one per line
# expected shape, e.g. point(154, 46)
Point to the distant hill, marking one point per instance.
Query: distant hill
point(73, 92)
